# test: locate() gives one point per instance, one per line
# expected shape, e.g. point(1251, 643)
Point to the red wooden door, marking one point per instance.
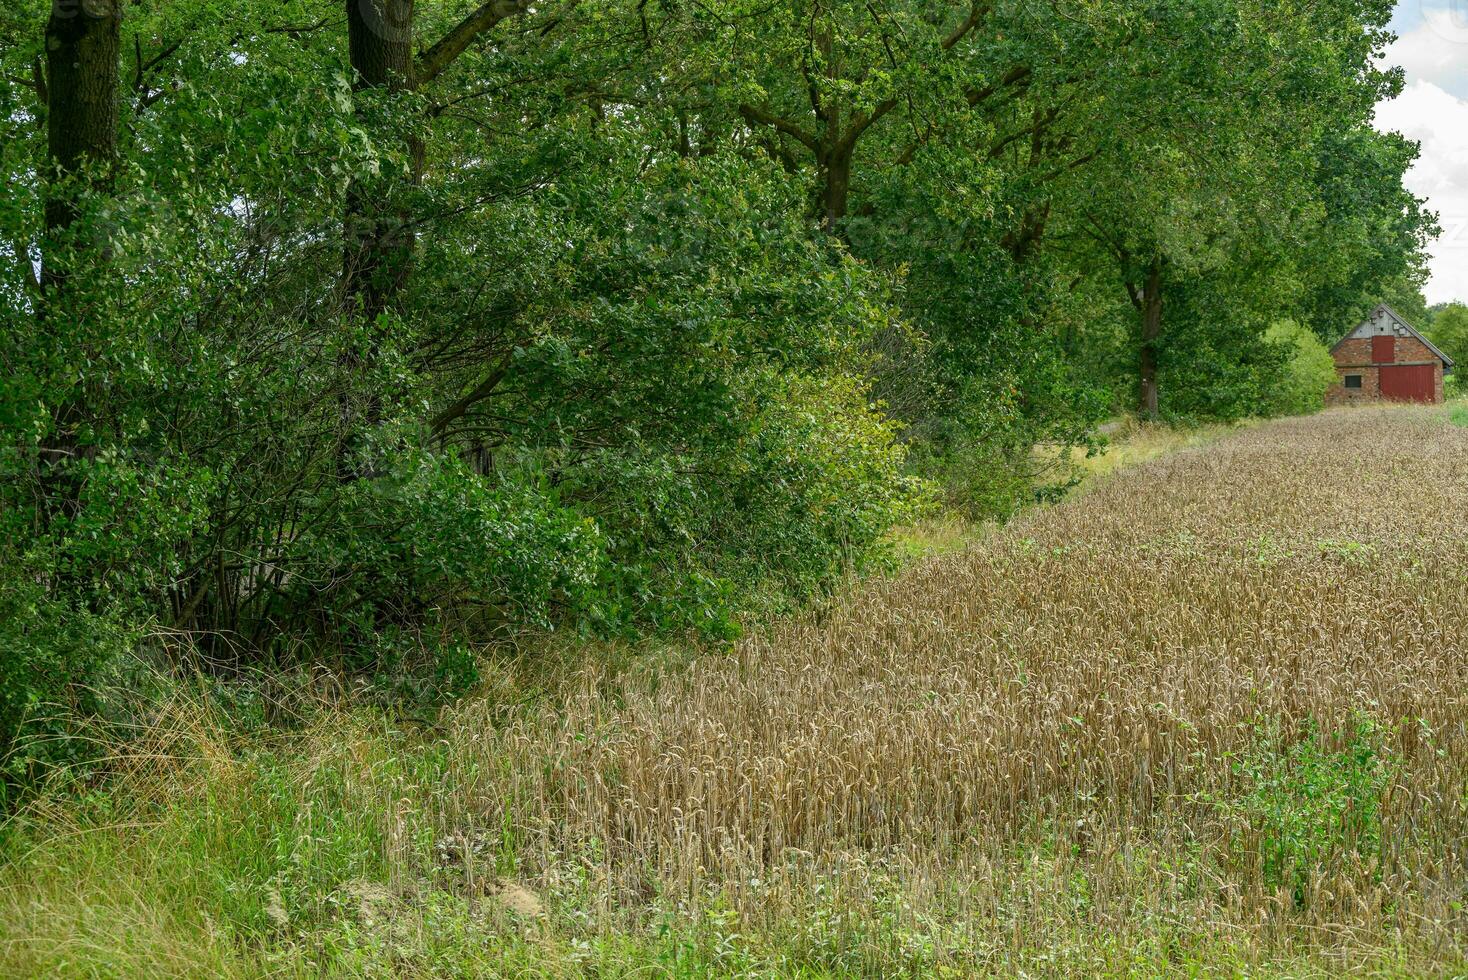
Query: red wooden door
point(1383, 350)
point(1409, 383)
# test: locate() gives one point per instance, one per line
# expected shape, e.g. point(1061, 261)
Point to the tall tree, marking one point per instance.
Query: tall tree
point(83, 41)
point(818, 78)
point(80, 89)
point(379, 240)
point(378, 224)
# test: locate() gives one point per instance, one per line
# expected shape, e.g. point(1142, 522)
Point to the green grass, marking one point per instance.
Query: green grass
point(1458, 414)
point(940, 535)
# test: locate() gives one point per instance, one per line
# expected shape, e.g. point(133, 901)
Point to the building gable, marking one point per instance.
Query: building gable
point(1387, 322)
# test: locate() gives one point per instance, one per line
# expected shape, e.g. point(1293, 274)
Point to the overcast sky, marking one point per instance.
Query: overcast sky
point(1433, 48)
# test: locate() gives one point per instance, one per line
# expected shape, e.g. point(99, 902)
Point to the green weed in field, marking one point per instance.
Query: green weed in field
point(1310, 803)
point(1350, 552)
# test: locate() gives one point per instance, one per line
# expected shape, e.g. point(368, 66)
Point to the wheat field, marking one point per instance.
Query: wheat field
point(1209, 715)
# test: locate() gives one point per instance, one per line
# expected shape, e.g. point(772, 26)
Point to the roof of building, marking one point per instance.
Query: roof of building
point(1376, 315)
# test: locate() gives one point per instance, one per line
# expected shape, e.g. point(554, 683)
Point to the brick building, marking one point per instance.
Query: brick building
point(1386, 359)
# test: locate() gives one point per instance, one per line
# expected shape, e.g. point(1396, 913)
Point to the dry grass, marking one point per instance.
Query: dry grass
point(1128, 442)
point(1210, 716)
point(1131, 442)
point(1089, 676)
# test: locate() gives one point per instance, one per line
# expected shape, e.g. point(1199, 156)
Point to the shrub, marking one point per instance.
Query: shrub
point(1308, 370)
point(801, 496)
point(656, 424)
point(429, 538)
point(52, 653)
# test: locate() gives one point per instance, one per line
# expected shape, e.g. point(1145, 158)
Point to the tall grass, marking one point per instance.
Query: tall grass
point(1210, 716)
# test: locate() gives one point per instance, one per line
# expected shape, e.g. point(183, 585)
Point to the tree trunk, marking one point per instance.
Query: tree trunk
point(1024, 241)
point(379, 241)
point(378, 237)
point(836, 188)
point(83, 41)
point(1151, 306)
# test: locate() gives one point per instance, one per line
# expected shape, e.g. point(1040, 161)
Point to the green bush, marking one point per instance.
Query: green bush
point(676, 427)
point(427, 537)
point(1299, 387)
point(53, 656)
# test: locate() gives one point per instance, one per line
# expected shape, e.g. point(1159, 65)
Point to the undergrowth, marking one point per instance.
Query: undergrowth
point(1109, 739)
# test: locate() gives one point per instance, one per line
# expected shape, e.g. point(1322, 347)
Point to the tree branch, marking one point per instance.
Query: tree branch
point(38, 77)
point(757, 116)
point(861, 121)
point(1040, 122)
point(1016, 75)
point(23, 257)
point(480, 392)
point(976, 13)
point(447, 49)
point(1134, 293)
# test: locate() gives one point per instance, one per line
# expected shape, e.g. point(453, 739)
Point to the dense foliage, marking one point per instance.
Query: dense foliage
point(1447, 327)
point(386, 329)
point(1298, 386)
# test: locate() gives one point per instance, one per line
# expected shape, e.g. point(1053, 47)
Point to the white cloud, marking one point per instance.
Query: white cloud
point(1439, 121)
point(1435, 49)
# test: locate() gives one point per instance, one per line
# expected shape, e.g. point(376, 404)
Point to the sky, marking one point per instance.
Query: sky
point(1432, 46)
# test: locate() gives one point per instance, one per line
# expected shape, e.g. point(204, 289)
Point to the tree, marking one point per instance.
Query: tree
point(82, 41)
point(80, 90)
point(1366, 242)
point(815, 82)
point(1449, 331)
point(378, 224)
point(1251, 211)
